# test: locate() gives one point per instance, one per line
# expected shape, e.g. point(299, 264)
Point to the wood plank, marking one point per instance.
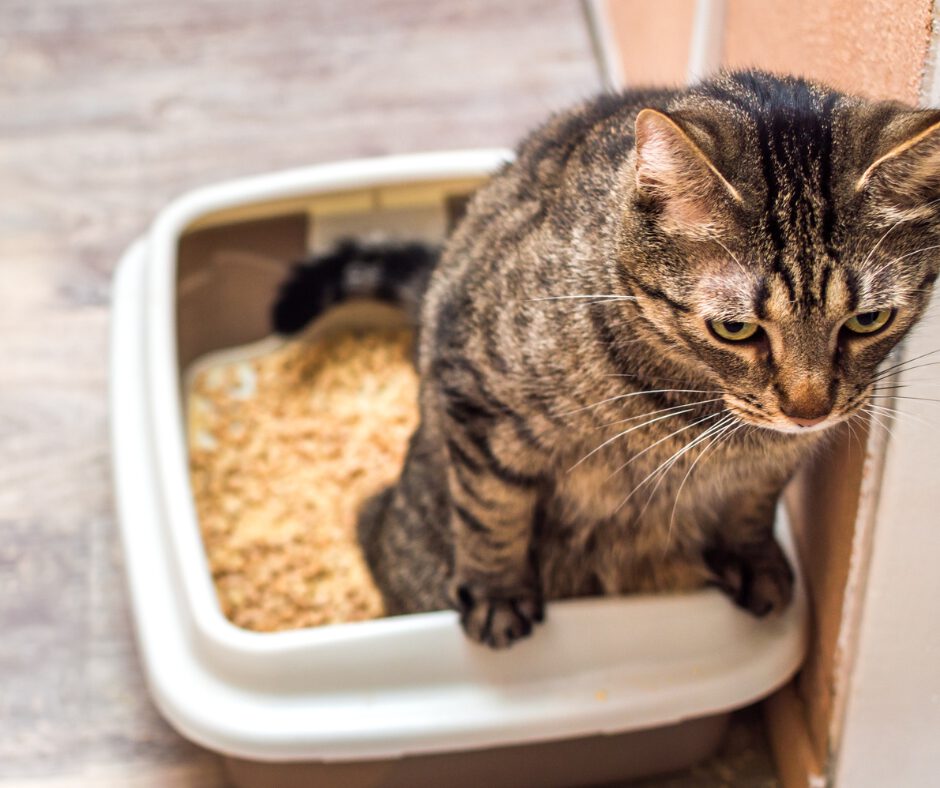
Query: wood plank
point(108, 109)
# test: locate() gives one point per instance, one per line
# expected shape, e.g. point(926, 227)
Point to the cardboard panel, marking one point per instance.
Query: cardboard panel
point(824, 502)
point(233, 270)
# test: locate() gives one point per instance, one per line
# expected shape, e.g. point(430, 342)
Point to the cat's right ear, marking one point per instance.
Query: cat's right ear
point(675, 173)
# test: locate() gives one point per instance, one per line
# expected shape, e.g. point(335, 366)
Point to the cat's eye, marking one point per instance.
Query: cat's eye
point(868, 322)
point(733, 330)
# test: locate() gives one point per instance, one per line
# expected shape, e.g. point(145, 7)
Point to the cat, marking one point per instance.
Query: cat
point(638, 331)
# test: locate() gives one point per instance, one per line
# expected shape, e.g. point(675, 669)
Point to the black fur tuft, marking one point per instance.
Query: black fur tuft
point(396, 273)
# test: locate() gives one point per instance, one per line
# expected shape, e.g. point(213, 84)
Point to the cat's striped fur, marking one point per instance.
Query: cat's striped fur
point(582, 430)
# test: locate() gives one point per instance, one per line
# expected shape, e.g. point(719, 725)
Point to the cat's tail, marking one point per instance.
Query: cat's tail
point(396, 273)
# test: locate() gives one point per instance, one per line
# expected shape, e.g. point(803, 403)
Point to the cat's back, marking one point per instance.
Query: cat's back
point(596, 134)
point(563, 175)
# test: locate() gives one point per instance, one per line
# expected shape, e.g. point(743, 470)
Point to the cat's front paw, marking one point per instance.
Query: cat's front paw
point(496, 617)
point(757, 577)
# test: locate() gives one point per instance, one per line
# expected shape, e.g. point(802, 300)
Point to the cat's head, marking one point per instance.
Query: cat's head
point(784, 237)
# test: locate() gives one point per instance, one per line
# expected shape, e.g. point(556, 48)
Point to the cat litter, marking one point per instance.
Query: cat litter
point(284, 447)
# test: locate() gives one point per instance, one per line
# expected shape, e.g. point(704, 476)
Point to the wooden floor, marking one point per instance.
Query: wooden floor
point(108, 109)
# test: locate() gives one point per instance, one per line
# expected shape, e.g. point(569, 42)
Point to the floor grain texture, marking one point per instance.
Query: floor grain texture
point(108, 109)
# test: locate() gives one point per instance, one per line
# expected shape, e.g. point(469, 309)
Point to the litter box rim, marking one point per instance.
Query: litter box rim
point(246, 694)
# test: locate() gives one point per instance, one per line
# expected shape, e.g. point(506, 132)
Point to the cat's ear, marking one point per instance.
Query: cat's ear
point(904, 177)
point(673, 171)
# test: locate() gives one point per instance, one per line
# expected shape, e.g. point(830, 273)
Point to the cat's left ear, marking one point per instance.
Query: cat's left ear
point(904, 177)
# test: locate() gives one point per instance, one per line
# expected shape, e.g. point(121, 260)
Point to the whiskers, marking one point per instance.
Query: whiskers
point(883, 385)
point(653, 445)
point(644, 392)
point(905, 366)
point(887, 232)
point(627, 432)
point(873, 418)
point(881, 413)
point(662, 410)
point(725, 433)
point(651, 417)
point(724, 425)
point(584, 298)
point(661, 471)
point(877, 404)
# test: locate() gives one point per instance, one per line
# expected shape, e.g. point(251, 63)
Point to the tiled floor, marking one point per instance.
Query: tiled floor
point(109, 108)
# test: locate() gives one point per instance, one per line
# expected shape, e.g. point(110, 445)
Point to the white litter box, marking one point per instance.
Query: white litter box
point(605, 690)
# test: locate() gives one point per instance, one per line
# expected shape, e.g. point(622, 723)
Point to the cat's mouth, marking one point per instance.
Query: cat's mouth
point(755, 415)
point(792, 428)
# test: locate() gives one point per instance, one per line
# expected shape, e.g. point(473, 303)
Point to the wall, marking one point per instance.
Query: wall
point(877, 48)
point(653, 39)
point(880, 49)
point(874, 47)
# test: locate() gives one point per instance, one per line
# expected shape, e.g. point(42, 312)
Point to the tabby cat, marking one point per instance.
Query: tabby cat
point(635, 335)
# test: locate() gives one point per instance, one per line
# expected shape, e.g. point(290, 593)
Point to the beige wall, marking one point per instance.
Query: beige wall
point(874, 47)
point(877, 48)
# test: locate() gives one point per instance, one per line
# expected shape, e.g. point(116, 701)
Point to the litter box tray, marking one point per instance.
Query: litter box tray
point(606, 689)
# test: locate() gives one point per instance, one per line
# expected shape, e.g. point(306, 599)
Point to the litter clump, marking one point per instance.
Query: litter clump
point(284, 447)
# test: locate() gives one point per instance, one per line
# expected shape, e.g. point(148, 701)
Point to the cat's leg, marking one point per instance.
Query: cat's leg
point(493, 491)
point(408, 563)
point(745, 559)
point(495, 585)
point(405, 537)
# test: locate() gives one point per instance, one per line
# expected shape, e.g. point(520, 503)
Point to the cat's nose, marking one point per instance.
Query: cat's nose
point(807, 402)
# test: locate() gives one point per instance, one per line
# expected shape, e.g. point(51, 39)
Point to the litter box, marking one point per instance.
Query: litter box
point(607, 689)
